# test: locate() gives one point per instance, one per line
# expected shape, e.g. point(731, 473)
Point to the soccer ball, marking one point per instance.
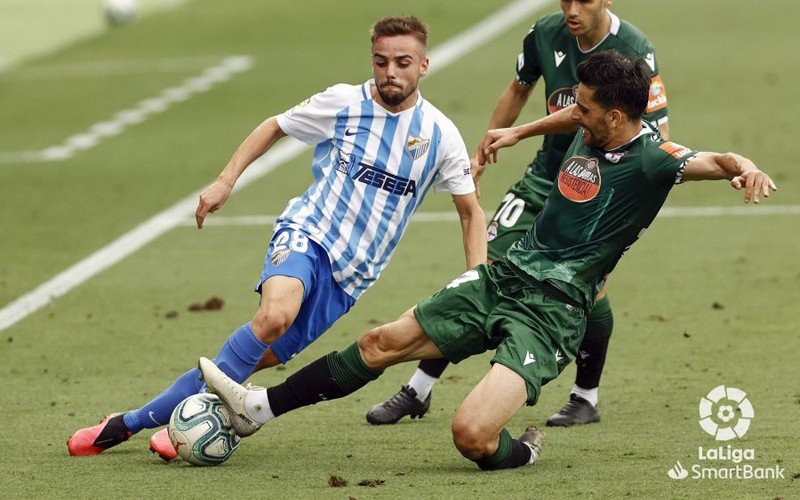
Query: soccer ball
point(120, 11)
point(200, 430)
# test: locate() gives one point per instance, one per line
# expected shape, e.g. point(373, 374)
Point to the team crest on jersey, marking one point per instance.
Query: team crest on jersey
point(279, 257)
point(344, 162)
point(579, 179)
point(561, 98)
point(615, 156)
point(491, 231)
point(417, 146)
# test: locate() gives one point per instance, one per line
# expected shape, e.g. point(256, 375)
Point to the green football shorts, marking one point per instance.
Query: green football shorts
point(521, 204)
point(493, 308)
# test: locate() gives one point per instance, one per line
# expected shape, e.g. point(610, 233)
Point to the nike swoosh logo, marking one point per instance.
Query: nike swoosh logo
point(150, 414)
point(351, 132)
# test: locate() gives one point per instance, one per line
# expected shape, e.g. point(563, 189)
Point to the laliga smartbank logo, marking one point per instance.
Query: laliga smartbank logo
point(732, 416)
point(725, 414)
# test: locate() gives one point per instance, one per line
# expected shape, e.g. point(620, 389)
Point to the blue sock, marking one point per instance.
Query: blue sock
point(237, 358)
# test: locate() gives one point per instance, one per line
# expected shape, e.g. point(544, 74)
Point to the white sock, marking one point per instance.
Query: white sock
point(589, 395)
point(257, 405)
point(422, 383)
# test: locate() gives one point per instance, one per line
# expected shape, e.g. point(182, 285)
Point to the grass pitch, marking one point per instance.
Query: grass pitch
point(700, 301)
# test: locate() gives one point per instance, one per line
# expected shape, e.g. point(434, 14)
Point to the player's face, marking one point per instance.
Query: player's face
point(592, 117)
point(398, 63)
point(582, 17)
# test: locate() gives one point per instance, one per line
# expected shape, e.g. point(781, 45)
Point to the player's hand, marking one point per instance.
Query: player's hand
point(494, 140)
point(477, 171)
point(211, 199)
point(755, 183)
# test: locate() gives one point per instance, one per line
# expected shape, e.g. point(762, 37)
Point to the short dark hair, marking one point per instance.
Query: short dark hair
point(400, 25)
point(619, 82)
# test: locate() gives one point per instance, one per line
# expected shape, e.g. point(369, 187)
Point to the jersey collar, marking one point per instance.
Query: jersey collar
point(612, 30)
point(646, 130)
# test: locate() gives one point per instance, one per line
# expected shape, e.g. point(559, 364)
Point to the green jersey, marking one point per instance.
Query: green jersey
point(550, 51)
point(601, 203)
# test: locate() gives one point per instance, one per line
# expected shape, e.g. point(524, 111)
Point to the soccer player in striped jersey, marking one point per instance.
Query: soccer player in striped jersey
point(379, 148)
point(551, 51)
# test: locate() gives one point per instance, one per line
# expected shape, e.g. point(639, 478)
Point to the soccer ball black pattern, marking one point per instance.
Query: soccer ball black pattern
point(200, 430)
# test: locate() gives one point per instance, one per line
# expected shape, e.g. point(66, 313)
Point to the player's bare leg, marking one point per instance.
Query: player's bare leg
point(479, 424)
point(281, 299)
point(413, 399)
point(396, 342)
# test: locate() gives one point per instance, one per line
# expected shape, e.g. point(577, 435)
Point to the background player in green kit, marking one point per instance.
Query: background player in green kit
point(551, 50)
point(531, 306)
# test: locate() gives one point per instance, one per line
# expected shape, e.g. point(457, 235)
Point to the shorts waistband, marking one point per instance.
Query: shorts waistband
point(546, 287)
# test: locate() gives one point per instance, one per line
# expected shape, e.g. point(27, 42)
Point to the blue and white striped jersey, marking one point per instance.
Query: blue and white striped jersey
point(372, 168)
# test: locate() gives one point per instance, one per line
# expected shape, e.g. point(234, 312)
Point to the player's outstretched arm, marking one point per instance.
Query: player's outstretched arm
point(256, 144)
point(559, 122)
point(741, 171)
point(473, 228)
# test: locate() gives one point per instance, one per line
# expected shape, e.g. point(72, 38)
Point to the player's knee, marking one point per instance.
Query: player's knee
point(391, 343)
point(373, 349)
point(471, 439)
point(269, 325)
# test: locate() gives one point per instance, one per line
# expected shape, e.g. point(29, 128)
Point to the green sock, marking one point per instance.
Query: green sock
point(510, 453)
point(349, 370)
point(594, 346)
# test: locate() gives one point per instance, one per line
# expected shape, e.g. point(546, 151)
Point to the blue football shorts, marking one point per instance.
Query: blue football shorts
point(292, 253)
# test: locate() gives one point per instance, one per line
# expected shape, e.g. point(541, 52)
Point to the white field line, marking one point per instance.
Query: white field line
point(157, 225)
point(41, 3)
point(670, 212)
point(95, 69)
point(163, 4)
point(746, 210)
point(467, 41)
point(132, 241)
point(143, 110)
point(266, 220)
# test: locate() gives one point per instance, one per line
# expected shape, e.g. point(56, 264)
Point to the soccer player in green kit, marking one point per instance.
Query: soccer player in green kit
point(551, 50)
point(531, 306)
